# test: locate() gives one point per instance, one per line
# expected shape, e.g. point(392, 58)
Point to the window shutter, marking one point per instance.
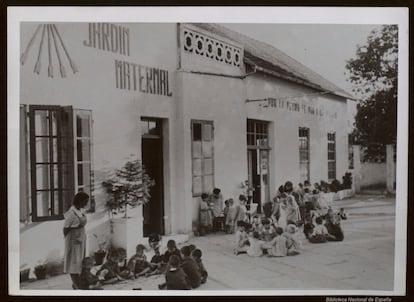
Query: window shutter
point(67, 157)
point(24, 179)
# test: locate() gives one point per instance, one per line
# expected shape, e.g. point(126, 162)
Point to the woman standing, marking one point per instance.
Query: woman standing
point(75, 238)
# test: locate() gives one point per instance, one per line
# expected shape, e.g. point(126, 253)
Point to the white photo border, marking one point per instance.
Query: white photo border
point(286, 15)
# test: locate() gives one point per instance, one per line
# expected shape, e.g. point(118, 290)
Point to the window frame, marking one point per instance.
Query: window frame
point(202, 123)
point(34, 163)
point(306, 162)
point(77, 162)
point(258, 128)
point(61, 152)
point(331, 139)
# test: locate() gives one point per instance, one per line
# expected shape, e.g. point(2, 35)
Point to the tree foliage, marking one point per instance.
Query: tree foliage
point(374, 75)
point(130, 186)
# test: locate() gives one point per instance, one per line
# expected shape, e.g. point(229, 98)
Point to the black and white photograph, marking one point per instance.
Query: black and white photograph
point(262, 151)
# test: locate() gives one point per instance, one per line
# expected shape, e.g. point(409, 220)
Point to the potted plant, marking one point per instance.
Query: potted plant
point(40, 270)
point(54, 267)
point(99, 255)
point(24, 273)
point(129, 187)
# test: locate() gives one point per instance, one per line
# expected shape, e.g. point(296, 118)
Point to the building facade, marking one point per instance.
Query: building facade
point(200, 105)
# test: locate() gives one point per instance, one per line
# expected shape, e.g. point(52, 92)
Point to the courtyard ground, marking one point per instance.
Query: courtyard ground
point(364, 260)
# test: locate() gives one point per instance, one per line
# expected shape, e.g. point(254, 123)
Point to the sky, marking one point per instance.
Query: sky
point(323, 48)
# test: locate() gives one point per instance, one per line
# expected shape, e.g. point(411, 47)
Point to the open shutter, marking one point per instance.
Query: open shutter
point(67, 157)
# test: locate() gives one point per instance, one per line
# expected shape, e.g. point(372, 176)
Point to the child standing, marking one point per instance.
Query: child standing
point(197, 254)
point(87, 280)
point(226, 212)
point(206, 218)
point(175, 278)
point(231, 216)
point(282, 220)
point(190, 267)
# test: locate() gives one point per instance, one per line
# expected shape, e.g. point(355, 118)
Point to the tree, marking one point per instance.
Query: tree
point(129, 187)
point(374, 75)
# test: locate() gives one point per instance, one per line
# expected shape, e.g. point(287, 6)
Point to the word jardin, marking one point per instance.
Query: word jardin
point(128, 76)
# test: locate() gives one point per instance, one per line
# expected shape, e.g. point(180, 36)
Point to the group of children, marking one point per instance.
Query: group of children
point(275, 232)
point(183, 269)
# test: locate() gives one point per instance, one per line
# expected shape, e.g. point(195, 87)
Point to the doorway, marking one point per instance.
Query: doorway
point(152, 159)
point(258, 166)
point(258, 161)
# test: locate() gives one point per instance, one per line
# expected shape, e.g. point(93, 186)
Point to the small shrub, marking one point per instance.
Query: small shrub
point(335, 186)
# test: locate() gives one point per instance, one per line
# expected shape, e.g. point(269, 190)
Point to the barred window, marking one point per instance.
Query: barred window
point(59, 147)
point(331, 156)
point(257, 133)
point(304, 158)
point(202, 156)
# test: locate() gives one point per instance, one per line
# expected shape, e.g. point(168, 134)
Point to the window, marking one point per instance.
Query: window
point(83, 160)
point(60, 159)
point(331, 157)
point(304, 160)
point(202, 156)
point(350, 151)
point(257, 134)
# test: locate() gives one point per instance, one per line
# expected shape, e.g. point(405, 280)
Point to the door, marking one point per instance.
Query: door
point(152, 159)
point(258, 175)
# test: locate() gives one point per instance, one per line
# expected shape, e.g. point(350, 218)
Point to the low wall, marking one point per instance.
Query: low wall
point(330, 197)
point(373, 174)
point(46, 239)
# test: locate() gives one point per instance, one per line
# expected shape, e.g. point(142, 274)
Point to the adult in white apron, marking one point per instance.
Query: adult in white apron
point(75, 238)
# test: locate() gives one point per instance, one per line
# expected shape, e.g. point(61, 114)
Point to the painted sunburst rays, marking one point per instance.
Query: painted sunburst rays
point(50, 39)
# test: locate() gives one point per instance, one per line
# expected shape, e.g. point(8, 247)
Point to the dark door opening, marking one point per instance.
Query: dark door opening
point(152, 159)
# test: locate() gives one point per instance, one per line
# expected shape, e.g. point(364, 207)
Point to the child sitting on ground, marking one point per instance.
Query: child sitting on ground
point(190, 267)
point(109, 271)
point(175, 277)
point(171, 250)
point(268, 230)
point(242, 240)
point(192, 247)
point(257, 224)
point(333, 226)
point(320, 233)
point(342, 214)
point(124, 271)
point(256, 245)
point(293, 244)
point(87, 280)
point(157, 264)
point(197, 254)
point(138, 264)
point(277, 247)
